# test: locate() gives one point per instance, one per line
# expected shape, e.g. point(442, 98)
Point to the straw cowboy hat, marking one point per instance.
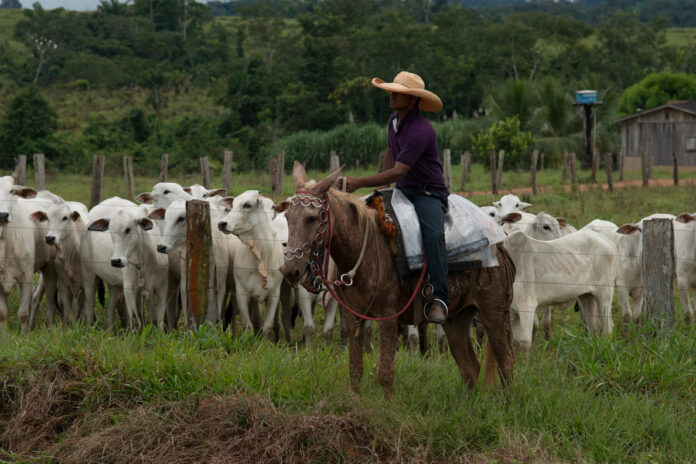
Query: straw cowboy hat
point(411, 84)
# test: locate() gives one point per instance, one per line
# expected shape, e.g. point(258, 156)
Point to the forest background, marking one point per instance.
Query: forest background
point(148, 77)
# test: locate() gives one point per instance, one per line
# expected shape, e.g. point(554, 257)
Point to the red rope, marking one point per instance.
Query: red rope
point(355, 313)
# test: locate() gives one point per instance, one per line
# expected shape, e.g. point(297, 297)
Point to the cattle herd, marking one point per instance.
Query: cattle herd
point(137, 253)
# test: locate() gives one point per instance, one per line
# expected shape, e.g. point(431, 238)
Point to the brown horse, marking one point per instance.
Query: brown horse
point(377, 290)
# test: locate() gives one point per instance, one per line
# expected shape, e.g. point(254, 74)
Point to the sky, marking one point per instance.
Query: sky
point(79, 5)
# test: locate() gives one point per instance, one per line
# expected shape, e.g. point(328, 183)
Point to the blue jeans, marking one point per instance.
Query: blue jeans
point(431, 208)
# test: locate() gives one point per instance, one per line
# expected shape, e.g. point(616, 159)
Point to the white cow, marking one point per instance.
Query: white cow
point(22, 249)
point(143, 270)
point(493, 212)
point(511, 204)
point(201, 193)
point(685, 253)
point(96, 249)
point(257, 263)
point(173, 243)
point(606, 229)
point(581, 265)
point(64, 222)
point(629, 280)
point(163, 194)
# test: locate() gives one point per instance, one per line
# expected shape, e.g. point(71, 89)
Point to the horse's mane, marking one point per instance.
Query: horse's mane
point(365, 215)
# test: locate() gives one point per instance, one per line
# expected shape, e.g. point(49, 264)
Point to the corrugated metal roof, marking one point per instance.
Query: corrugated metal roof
point(685, 106)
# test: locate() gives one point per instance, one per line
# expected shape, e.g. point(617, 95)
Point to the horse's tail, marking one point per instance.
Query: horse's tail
point(490, 368)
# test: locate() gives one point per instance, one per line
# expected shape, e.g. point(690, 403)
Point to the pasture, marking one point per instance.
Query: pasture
point(72, 394)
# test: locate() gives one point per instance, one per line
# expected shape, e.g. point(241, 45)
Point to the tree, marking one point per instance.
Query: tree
point(10, 4)
point(657, 89)
point(504, 135)
point(28, 125)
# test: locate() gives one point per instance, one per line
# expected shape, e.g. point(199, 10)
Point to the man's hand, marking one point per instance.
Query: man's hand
point(352, 184)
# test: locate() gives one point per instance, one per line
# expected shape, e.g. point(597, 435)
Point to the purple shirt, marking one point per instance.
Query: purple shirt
point(414, 143)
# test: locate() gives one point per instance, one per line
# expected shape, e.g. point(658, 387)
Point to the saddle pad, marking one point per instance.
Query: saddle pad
point(470, 234)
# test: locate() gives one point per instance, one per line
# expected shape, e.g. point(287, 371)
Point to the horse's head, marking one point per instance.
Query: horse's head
point(308, 221)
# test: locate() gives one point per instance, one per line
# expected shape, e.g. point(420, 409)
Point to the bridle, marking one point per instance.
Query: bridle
point(319, 268)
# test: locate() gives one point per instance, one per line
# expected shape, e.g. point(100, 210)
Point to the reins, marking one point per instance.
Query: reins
point(320, 270)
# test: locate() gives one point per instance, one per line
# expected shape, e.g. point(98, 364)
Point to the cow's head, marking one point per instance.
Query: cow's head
point(60, 222)
point(250, 217)
point(543, 227)
point(163, 194)
point(511, 203)
point(126, 233)
point(173, 227)
point(9, 193)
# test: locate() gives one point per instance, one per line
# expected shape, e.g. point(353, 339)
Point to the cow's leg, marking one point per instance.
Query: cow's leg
point(546, 322)
point(288, 299)
point(25, 290)
point(457, 330)
point(685, 298)
point(604, 299)
point(588, 312)
point(305, 301)
point(412, 331)
point(522, 322)
point(161, 292)
point(66, 301)
point(625, 300)
point(4, 322)
point(441, 338)
point(388, 334)
point(50, 279)
point(329, 317)
point(89, 290)
point(131, 295)
point(270, 316)
point(243, 306)
point(638, 305)
point(355, 331)
point(39, 290)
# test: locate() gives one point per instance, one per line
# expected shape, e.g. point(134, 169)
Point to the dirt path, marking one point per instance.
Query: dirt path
point(583, 187)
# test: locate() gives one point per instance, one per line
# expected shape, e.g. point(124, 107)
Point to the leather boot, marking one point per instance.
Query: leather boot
point(436, 312)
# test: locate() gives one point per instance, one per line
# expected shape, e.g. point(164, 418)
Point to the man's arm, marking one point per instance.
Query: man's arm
point(387, 163)
point(383, 178)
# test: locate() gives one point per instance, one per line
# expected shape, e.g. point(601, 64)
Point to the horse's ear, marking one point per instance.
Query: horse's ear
point(327, 182)
point(282, 206)
point(299, 175)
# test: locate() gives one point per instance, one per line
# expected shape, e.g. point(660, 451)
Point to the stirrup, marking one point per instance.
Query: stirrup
point(427, 306)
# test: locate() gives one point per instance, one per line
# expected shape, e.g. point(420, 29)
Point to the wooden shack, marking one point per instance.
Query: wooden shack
point(659, 132)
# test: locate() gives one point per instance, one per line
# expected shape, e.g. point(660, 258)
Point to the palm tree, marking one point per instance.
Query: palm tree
point(113, 7)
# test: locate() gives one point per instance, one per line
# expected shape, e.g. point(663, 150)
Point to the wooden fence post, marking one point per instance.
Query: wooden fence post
point(573, 172)
point(621, 164)
point(281, 169)
point(447, 167)
point(501, 157)
point(608, 168)
point(644, 168)
point(128, 178)
point(164, 166)
point(334, 162)
point(205, 171)
point(466, 163)
point(494, 177)
point(595, 163)
point(533, 164)
point(97, 179)
point(274, 174)
point(675, 170)
point(200, 264)
point(227, 171)
point(658, 273)
point(40, 171)
point(564, 178)
point(20, 172)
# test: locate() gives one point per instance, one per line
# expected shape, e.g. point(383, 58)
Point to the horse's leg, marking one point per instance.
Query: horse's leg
point(367, 340)
point(546, 322)
point(457, 330)
point(355, 330)
point(388, 332)
point(496, 319)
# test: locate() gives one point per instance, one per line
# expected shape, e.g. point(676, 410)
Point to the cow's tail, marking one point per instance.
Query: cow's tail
point(101, 292)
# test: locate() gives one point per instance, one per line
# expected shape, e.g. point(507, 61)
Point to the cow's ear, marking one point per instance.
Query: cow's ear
point(685, 218)
point(100, 225)
point(562, 221)
point(628, 229)
point(145, 197)
point(145, 223)
point(282, 206)
point(497, 204)
point(511, 218)
point(24, 192)
point(217, 193)
point(38, 216)
point(187, 190)
point(227, 202)
point(74, 216)
point(157, 214)
point(524, 206)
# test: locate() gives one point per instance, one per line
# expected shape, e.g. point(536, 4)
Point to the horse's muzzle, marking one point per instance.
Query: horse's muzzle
point(291, 273)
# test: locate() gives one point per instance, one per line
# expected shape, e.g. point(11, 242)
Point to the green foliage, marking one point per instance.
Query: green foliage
point(27, 127)
point(657, 89)
point(504, 135)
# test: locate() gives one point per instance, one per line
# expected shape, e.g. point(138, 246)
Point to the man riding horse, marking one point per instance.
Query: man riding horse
point(412, 161)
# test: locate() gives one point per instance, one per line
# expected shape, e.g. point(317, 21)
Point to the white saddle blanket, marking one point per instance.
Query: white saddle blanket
point(470, 234)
